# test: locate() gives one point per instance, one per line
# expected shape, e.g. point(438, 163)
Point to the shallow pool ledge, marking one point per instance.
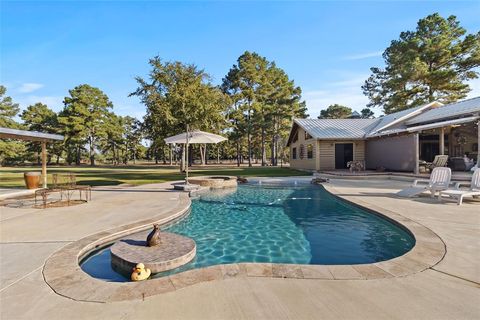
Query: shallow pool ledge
point(63, 274)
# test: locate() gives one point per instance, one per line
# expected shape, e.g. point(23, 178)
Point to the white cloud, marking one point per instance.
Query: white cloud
point(361, 56)
point(29, 87)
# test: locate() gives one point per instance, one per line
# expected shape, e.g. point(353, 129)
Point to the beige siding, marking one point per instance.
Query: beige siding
point(323, 153)
point(327, 153)
point(359, 150)
point(303, 163)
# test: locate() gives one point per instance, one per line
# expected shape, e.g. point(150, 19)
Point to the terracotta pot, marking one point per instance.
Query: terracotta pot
point(32, 179)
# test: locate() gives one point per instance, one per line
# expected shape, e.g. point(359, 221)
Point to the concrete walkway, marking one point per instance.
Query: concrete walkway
point(449, 290)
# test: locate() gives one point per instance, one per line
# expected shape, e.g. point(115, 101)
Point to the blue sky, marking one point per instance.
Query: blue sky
point(48, 48)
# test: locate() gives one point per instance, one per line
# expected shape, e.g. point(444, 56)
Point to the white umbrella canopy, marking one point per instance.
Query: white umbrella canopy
point(195, 136)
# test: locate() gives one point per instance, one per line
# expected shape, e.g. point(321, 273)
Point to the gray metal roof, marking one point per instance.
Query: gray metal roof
point(388, 120)
point(394, 123)
point(463, 108)
point(337, 128)
point(28, 135)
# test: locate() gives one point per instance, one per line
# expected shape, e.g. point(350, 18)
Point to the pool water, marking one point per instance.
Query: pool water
point(280, 224)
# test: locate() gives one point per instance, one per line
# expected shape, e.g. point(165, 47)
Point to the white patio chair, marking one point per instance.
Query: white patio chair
point(439, 181)
point(459, 194)
point(438, 161)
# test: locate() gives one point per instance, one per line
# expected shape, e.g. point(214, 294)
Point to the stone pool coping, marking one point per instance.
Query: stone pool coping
point(63, 274)
point(215, 182)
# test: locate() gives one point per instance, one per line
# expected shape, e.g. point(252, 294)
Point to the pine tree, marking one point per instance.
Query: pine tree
point(431, 63)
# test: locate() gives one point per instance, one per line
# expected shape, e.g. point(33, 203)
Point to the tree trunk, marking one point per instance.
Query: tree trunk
point(92, 152)
point(190, 155)
point(264, 153)
point(238, 154)
point(126, 153)
point(206, 154)
point(79, 152)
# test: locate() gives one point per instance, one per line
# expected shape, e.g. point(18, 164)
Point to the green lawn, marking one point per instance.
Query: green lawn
point(12, 177)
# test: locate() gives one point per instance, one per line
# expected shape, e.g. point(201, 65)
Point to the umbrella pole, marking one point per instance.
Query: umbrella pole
point(186, 158)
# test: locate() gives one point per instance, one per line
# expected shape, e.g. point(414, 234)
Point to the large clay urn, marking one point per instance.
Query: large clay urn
point(153, 238)
point(32, 179)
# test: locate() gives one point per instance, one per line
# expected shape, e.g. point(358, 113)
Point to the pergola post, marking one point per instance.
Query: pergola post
point(44, 164)
point(416, 169)
point(442, 141)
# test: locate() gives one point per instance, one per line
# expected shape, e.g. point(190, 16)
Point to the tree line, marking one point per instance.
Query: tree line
point(90, 128)
point(253, 105)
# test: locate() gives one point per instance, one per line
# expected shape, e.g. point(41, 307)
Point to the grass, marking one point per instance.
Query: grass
point(12, 177)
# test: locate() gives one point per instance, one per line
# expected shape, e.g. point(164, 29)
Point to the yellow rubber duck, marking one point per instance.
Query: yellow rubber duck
point(140, 273)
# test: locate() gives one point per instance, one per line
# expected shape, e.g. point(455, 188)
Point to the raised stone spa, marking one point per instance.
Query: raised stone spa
point(215, 182)
point(173, 251)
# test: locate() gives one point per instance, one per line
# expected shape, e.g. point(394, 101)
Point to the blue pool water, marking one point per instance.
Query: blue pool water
point(279, 224)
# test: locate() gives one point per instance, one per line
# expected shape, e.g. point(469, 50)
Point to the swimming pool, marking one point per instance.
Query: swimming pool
point(301, 224)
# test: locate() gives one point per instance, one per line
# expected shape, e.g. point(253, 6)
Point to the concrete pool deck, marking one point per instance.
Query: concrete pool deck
point(447, 290)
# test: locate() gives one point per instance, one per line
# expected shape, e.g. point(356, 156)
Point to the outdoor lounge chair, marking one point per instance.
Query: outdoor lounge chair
point(439, 181)
point(457, 193)
point(438, 161)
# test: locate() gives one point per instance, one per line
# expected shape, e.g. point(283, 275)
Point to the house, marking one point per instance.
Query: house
point(397, 142)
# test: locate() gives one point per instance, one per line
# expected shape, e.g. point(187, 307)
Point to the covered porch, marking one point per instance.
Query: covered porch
point(457, 139)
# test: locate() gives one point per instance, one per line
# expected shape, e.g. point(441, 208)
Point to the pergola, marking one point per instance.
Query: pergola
point(43, 138)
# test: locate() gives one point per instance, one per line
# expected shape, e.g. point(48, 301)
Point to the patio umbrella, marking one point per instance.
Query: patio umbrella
point(195, 136)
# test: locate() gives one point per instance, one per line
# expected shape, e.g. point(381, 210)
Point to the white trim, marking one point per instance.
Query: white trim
point(434, 104)
point(442, 124)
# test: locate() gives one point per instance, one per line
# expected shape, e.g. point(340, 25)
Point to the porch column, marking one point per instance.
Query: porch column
point(416, 153)
point(44, 164)
point(442, 141)
point(478, 144)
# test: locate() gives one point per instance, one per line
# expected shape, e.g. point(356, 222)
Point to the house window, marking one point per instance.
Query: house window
point(307, 135)
point(302, 151)
point(294, 153)
point(310, 151)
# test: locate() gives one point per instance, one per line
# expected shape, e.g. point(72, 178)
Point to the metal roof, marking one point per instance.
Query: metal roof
point(8, 133)
point(390, 120)
point(336, 128)
point(442, 124)
point(463, 108)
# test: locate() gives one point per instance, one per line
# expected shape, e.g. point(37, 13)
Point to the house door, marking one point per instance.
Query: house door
point(343, 154)
point(429, 151)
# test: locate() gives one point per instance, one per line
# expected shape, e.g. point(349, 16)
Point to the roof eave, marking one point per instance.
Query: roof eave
point(409, 115)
